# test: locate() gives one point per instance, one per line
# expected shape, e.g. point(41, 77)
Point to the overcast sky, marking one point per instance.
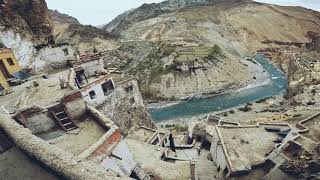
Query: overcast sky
point(98, 12)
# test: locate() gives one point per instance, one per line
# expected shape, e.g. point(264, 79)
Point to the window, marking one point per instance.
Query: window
point(132, 101)
point(107, 87)
point(10, 61)
point(129, 88)
point(92, 94)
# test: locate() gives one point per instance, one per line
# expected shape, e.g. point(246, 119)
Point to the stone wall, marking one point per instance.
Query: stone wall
point(125, 107)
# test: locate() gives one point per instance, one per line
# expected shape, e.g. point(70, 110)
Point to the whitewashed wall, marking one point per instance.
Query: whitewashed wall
point(45, 59)
point(22, 48)
point(53, 57)
point(92, 67)
point(100, 97)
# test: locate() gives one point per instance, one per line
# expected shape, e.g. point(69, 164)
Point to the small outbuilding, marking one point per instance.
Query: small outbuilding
point(8, 66)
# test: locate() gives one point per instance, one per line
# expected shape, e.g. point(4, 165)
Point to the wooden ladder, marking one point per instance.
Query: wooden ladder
point(63, 119)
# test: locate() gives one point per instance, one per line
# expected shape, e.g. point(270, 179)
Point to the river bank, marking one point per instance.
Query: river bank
point(261, 77)
point(269, 81)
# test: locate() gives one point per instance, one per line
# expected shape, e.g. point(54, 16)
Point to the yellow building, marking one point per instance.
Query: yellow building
point(8, 66)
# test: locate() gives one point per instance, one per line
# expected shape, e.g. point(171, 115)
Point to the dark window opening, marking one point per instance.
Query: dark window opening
point(66, 52)
point(134, 175)
point(107, 87)
point(81, 76)
point(1, 88)
point(92, 95)
point(129, 88)
point(132, 100)
point(10, 61)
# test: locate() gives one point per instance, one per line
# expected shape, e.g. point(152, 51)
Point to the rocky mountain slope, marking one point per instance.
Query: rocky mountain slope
point(84, 38)
point(61, 21)
point(185, 31)
point(251, 25)
point(147, 11)
point(29, 18)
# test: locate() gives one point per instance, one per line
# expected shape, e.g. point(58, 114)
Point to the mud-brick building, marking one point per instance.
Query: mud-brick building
point(8, 66)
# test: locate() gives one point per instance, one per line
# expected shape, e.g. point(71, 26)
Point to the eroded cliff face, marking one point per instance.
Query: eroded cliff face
point(29, 18)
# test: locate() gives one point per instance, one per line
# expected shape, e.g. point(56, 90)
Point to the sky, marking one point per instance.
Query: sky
point(98, 12)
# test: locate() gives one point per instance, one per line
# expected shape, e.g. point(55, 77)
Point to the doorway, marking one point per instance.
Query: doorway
point(4, 70)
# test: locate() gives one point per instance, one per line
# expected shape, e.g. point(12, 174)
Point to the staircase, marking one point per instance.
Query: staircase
point(62, 117)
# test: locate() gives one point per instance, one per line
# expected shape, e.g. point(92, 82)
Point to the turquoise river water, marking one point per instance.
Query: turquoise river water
point(276, 85)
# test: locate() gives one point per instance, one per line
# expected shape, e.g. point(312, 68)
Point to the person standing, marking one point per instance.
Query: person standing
point(172, 145)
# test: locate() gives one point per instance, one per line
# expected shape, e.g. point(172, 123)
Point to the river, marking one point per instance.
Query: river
point(275, 85)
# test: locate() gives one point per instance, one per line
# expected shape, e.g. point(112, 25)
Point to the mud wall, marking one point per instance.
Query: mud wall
point(217, 153)
point(76, 108)
point(93, 67)
point(125, 107)
point(40, 122)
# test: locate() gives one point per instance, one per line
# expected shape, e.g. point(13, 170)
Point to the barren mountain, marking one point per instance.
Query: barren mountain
point(147, 11)
point(84, 37)
point(186, 31)
point(248, 24)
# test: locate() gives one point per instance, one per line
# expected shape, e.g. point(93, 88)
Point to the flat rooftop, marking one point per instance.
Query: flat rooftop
point(47, 93)
point(140, 134)
point(248, 145)
point(149, 157)
point(25, 95)
point(79, 140)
